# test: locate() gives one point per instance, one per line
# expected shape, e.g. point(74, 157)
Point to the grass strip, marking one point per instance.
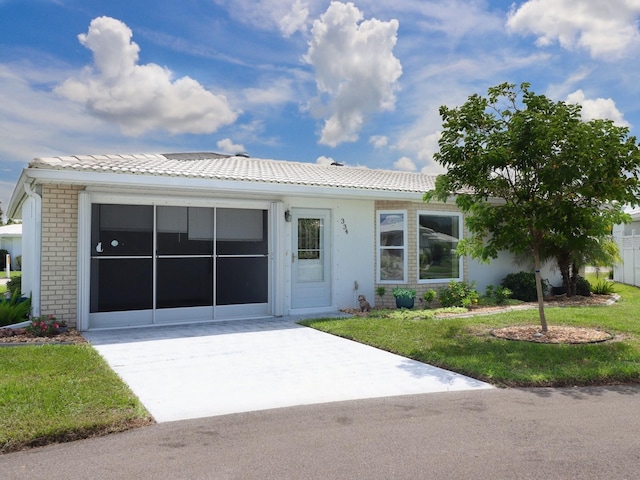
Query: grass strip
point(466, 346)
point(58, 393)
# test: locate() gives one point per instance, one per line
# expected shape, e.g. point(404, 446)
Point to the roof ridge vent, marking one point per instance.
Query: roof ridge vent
point(242, 154)
point(192, 156)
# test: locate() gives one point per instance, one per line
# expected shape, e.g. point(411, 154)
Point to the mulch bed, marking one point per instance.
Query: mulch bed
point(533, 333)
point(554, 334)
point(19, 336)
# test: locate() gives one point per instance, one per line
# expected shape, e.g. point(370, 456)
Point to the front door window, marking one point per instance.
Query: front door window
point(310, 250)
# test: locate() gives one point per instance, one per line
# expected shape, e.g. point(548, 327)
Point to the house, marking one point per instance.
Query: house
point(627, 238)
point(11, 241)
point(131, 240)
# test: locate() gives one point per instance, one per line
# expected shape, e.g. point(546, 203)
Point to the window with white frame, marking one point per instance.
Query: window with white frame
point(438, 237)
point(392, 246)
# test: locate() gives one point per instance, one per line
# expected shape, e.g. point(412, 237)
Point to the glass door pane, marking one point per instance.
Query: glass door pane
point(122, 258)
point(242, 253)
point(184, 274)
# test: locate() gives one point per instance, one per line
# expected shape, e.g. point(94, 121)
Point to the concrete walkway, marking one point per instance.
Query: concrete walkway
point(203, 370)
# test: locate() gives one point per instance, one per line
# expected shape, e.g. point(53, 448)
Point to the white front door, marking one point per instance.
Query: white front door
point(310, 262)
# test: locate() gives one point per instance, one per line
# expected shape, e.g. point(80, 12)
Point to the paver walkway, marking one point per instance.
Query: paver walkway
point(202, 370)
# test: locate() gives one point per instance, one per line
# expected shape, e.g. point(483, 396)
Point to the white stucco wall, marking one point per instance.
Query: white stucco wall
point(11, 241)
point(14, 246)
point(494, 272)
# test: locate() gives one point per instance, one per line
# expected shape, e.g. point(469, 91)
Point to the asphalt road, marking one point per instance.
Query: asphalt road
point(578, 433)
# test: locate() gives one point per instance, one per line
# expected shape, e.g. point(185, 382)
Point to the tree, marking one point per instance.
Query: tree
point(592, 245)
point(527, 171)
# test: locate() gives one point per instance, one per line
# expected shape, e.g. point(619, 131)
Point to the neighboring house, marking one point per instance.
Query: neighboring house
point(627, 237)
point(127, 240)
point(11, 241)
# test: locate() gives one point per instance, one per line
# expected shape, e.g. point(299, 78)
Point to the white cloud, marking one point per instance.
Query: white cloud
point(405, 164)
point(295, 19)
point(420, 144)
point(602, 108)
point(288, 16)
point(378, 141)
point(356, 71)
point(606, 28)
point(140, 98)
point(277, 92)
point(35, 123)
point(453, 18)
point(227, 146)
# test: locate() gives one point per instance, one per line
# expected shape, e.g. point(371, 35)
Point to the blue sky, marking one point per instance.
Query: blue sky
point(306, 80)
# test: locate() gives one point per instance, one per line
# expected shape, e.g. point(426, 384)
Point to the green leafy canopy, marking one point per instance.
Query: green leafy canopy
point(522, 165)
point(528, 171)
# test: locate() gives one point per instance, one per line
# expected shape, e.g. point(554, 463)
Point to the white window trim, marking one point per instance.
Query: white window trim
point(460, 236)
point(405, 246)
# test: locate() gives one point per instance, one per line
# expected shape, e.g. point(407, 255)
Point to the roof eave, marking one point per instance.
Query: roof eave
point(157, 181)
point(17, 197)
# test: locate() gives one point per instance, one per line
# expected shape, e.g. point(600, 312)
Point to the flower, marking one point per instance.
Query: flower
point(45, 326)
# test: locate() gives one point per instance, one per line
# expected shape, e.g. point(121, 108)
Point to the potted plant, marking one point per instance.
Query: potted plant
point(405, 297)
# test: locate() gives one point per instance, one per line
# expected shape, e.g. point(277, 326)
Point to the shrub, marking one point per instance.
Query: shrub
point(458, 294)
point(45, 326)
point(583, 287)
point(14, 310)
point(14, 286)
point(523, 286)
point(429, 296)
point(603, 287)
point(499, 294)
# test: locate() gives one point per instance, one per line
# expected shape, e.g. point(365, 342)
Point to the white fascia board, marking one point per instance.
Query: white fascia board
point(209, 184)
point(17, 197)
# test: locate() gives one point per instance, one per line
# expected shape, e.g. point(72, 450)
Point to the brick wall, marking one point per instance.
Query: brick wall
point(59, 272)
point(412, 209)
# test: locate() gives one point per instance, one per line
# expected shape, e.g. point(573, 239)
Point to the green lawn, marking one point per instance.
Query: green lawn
point(465, 345)
point(57, 393)
point(3, 274)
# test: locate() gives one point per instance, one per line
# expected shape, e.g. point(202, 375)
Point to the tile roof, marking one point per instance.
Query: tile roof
point(241, 168)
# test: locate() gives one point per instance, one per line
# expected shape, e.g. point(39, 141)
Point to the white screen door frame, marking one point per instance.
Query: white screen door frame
point(311, 258)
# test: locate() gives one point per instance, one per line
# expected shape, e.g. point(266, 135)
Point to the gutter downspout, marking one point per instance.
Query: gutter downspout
point(37, 250)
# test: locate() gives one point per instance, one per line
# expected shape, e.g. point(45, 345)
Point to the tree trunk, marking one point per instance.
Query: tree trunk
point(563, 266)
point(573, 282)
point(543, 320)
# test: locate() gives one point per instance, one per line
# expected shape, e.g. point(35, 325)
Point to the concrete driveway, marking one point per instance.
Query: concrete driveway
point(203, 370)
